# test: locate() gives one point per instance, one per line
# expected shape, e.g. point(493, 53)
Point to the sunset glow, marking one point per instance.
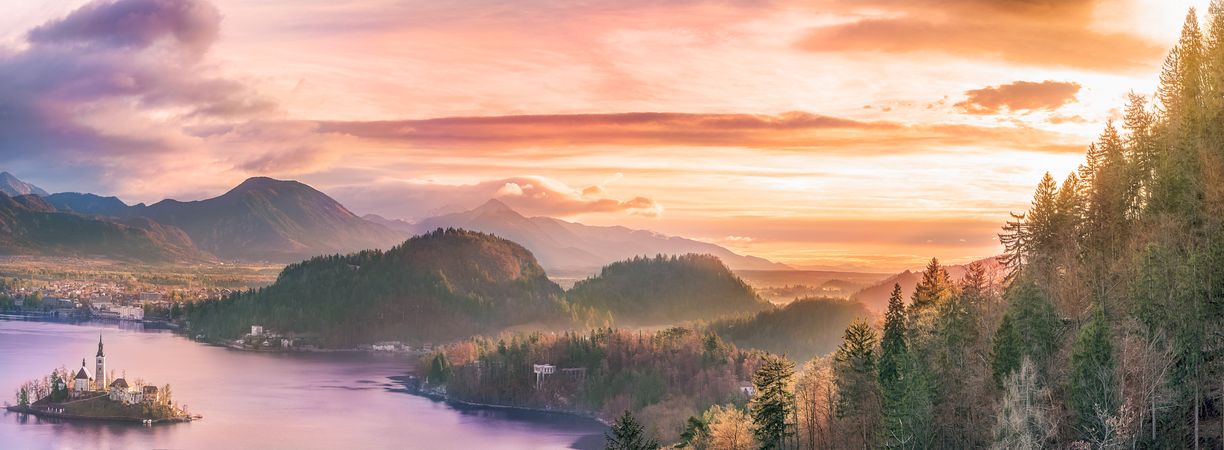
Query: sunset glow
point(866, 135)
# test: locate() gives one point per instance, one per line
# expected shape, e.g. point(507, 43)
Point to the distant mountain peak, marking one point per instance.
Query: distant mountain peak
point(495, 205)
point(257, 183)
point(13, 186)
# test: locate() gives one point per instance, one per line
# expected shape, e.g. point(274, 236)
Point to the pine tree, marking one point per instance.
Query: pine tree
point(773, 406)
point(439, 369)
point(1029, 329)
point(1093, 386)
point(858, 389)
point(1141, 150)
point(933, 290)
point(1030, 238)
point(892, 345)
point(628, 434)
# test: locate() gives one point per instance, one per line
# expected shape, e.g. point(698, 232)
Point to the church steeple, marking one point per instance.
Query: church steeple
point(100, 368)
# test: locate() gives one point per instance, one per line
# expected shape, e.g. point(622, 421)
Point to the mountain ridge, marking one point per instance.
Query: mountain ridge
point(564, 246)
point(261, 219)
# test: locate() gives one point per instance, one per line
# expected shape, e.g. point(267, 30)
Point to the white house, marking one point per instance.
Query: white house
point(256, 330)
point(130, 312)
point(542, 371)
point(121, 392)
point(387, 346)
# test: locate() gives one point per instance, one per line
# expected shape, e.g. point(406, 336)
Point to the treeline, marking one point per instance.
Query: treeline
point(452, 284)
point(664, 376)
point(664, 290)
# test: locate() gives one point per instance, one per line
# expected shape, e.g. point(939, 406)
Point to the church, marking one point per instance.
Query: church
point(83, 382)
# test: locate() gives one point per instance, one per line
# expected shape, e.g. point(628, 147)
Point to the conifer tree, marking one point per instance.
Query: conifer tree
point(773, 405)
point(628, 434)
point(1093, 384)
point(856, 378)
point(1029, 329)
point(892, 345)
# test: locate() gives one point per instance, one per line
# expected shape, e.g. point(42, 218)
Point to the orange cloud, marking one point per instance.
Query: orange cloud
point(1019, 96)
point(792, 130)
point(1055, 33)
point(532, 195)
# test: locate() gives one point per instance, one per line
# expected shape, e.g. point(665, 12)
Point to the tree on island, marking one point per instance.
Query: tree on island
point(23, 397)
point(59, 387)
point(628, 434)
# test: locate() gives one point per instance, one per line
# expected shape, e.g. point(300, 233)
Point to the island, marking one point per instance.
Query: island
point(82, 395)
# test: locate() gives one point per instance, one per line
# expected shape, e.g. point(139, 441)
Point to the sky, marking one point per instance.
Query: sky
point(824, 134)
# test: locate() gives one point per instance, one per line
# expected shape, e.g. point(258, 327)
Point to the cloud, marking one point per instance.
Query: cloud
point(1052, 33)
point(529, 195)
point(1019, 96)
point(134, 24)
point(791, 130)
point(121, 93)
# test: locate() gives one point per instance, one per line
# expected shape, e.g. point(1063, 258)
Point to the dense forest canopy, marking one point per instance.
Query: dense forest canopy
point(665, 290)
point(801, 330)
point(440, 286)
point(1109, 332)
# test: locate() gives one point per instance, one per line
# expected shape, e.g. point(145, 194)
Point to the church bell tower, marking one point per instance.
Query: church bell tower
point(100, 371)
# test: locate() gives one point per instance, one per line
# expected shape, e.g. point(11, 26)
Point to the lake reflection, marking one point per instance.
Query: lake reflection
point(256, 400)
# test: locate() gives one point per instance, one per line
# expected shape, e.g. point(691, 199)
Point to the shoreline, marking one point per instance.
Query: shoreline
point(418, 391)
point(438, 396)
point(134, 420)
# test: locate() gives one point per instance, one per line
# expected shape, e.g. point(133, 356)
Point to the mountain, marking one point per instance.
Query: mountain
point(261, 219)
point(13, 187)
point(802, 329)
point(665, 290)
point(563, 246)
point(434, 287)
point(91, 204)
point(30, 225)
point(875, 297)
point(399, 225)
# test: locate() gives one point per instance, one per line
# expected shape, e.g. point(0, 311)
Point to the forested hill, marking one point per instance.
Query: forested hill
point(665, 290)
point(435, 287)
point(28, 225)
point(803, 329)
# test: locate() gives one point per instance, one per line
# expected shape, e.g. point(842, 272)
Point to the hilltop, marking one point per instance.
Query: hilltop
point(439, 286)
point(262, 219)
point(802, 329)
point(665, 290)
point(13, 187)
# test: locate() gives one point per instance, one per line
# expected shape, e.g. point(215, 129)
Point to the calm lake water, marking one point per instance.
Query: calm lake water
point(259, 400)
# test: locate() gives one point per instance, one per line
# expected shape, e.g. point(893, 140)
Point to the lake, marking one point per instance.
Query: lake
point(260, 400)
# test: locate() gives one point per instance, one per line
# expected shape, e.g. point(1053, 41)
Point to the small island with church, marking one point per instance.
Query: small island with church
point(98, 395)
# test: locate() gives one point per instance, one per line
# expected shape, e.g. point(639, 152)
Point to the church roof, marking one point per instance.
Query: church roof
point(120, 383)
point(81, 374)
point(100, 346)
